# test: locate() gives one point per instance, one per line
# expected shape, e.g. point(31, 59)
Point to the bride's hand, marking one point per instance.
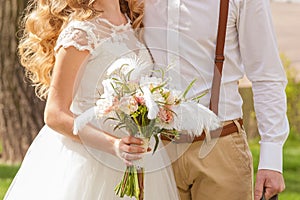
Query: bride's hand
point(128, 149)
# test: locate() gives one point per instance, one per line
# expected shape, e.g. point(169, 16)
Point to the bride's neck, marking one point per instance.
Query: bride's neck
point(108, 6)
point(110, 10)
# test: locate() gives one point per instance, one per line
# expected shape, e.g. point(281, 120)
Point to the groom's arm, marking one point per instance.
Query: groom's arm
point(264, 69)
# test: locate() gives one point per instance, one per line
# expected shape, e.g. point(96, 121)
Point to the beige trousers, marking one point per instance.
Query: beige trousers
point(224, 172)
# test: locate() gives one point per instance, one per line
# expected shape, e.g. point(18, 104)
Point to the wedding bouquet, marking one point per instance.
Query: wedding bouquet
point(146, 107)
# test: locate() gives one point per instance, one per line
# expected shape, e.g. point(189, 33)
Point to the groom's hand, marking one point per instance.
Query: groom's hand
point(272, 181)
point(128, 149)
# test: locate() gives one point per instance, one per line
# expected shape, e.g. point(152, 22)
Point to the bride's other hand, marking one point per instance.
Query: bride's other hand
point(128, 149)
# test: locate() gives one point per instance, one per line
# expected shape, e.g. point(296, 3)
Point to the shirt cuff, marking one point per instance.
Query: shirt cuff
point(270, 156)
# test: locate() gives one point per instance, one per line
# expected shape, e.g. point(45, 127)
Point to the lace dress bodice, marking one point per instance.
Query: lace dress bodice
point(106, 43)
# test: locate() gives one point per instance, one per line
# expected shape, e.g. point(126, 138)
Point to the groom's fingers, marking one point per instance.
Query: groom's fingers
point(272, 181)
point(259, 187)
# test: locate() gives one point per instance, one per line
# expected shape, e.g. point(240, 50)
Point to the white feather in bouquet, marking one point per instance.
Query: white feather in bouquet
point(194, 118)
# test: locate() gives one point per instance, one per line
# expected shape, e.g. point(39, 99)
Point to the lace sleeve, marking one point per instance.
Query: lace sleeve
point(77, 34)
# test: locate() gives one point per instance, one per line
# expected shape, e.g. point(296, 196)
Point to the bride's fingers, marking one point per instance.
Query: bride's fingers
point(127, 152)
point(131, 144)
point(130, 157)
point(131, 148)
point(132, 140)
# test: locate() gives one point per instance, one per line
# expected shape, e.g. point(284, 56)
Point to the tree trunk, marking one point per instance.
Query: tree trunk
point(20, 111)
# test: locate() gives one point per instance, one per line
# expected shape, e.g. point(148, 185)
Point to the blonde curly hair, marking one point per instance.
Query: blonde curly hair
point(42, 23)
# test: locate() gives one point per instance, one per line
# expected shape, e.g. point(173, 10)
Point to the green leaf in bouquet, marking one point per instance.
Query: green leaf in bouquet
point(156, 143)
point(161, 71)
point(110, 118)
point(130, 186)
point(120, 189)
point(188, 88)
point(144, 119)
point(114, 88)
point(197, 98)
point(115, 79)
point(119, 116)
point(159, 86)
point(127, 76)
point(161, 103)
point(150, 128)
point(135, 114)
point(129, 183)
point(131, 126)
point(99, 93)
point(136, 189)
point(168, 109)
point(119, 127)
point(121, 67)
point(171, 134)
point(137, 125)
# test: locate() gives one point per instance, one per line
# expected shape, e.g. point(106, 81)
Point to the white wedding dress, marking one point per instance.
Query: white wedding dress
point(57, 168)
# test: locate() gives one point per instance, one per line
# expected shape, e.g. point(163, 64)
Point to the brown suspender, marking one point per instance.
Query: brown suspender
point(219, 56)
point(216, 83)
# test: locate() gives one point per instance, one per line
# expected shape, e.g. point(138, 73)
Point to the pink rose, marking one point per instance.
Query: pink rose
point(165, 114)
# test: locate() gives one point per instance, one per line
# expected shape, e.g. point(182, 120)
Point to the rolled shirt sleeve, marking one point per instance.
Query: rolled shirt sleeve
point(263, 67)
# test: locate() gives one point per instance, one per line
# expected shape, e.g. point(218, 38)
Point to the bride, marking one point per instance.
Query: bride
point(66, 48)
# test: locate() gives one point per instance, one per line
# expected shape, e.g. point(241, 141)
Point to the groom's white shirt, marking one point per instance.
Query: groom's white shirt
point(183, 33)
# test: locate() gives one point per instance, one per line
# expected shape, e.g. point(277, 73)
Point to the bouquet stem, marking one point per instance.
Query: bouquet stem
point(140, 173)
point(132, 183)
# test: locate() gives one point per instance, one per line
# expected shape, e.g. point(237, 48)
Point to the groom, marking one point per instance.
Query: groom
point(183, 32)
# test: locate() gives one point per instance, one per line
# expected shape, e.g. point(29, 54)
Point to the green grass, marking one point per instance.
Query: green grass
point(291, 169)
point(7, 172)
point(291, 166)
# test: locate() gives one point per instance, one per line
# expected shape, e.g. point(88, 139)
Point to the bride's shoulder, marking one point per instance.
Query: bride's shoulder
point(83, 35)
